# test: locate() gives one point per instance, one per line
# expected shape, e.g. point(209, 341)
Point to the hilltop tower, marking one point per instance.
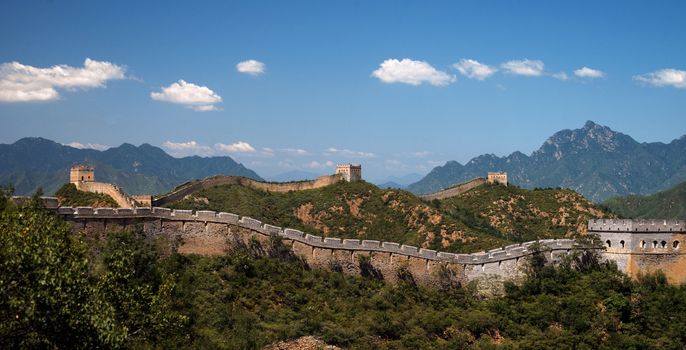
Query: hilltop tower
point(497, 178)
point(350, 172)
point(82, 173)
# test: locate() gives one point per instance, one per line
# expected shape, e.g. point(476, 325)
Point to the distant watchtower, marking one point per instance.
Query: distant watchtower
point(82, 173)
point(350, 172)
point(497, 178)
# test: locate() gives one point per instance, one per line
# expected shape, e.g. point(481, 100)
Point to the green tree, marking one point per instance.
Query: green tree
point(46, 298)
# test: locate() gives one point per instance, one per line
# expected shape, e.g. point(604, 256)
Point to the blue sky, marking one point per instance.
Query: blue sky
point(371, 82)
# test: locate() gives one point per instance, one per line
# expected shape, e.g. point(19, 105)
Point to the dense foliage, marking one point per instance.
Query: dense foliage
point(669, 204)
point(350, 209)
point(53, 296)
point(69, 196)
point(58, 290)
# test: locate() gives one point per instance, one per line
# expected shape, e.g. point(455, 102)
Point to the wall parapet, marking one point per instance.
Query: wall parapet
point(640, 226)
point(205, 216)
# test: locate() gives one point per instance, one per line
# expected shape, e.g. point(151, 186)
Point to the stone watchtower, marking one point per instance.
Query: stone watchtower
point(497, 178)
point(350, 172)
point(82, 173)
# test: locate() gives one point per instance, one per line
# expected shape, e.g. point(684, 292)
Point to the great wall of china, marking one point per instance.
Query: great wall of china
point(636, 246)
point(455, 190)
point(185, 189)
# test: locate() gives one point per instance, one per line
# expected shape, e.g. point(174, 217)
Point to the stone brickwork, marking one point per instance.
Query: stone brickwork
point(455, 190)
point(644, 246)
point(79, 173)
point(497, 178)
point(350, 172)
point(123, 200)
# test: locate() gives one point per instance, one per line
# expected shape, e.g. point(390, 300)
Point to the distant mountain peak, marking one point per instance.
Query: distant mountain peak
point(593, 159)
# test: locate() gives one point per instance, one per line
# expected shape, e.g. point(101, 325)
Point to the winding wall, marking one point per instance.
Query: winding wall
point(455, 190)
point(123, 200)
point(195, 186)
point(637, 246)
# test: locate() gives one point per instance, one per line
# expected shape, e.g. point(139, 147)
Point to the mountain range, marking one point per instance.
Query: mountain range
point(34, 162)
point(595, 161)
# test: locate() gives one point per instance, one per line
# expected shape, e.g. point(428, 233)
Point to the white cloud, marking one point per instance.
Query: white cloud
point(181, 149)
point(664, 77)
point(317, 165)
point(23, 83)
point(238, 147)
point(80, 145)
point(560, 76)
point(199, 98)
point(531, 68)
point(473, 69)
point(294, 151)
point(411, 72)
point(347, 153)
point(585, 72)
point(251, 67)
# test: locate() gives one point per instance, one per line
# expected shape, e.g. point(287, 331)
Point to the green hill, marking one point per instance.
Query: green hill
point(351, 210)
point(525, 215)
point(669, 204)
point(486, 217)
point(69, 196)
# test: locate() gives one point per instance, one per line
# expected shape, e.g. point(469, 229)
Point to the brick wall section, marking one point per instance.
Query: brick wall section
point(455, 190)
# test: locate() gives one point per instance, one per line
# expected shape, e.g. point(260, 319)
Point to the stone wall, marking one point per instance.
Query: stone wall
point(123, 200)
point(455, 190)
point(637, 246)
point(644, 246)
point(213, 233)
point(195, 186)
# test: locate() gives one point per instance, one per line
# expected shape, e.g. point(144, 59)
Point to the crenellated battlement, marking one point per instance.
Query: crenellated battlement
point(639, 226)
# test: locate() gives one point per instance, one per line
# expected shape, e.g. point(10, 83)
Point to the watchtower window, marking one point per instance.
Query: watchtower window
point(654, 244)
point(621, 243)
point(81, 178)
point(609, 244)
point(663, 244)
point(643, 244)
point(675, 244)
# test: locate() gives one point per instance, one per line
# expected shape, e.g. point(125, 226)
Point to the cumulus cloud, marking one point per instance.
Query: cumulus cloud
point(411, 72)
point(294, 151)
point(347, 153)
point(95, 146)
point(24, 83)
point(664, 77)
point(317, 165)
point(251, 67)
point(474, 69)
point(560, 76)
point(198, 98)
point(585, 72)
point(238, 147)
point(526, 67)
point(187, 148)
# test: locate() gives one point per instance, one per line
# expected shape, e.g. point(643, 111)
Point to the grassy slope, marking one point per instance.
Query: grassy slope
point(669, 204)
point(357, 209)
point(69, 196)
point(524, 215)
